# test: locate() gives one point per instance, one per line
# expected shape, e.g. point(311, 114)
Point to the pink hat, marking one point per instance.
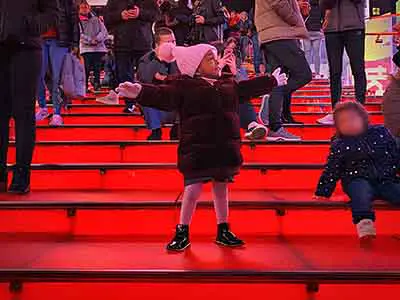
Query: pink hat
point(188, 59)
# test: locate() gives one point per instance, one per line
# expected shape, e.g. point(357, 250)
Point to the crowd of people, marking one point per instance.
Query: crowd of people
point(190, 63)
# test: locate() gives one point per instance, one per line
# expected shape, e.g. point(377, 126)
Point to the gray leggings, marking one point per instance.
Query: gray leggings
point(312, 49)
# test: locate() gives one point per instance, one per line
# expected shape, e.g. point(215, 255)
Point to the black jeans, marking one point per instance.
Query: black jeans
point(287, 55)
point(19, 87)
point(93, 62)
point(363, 192)
point(354, 43)
point(126, 64)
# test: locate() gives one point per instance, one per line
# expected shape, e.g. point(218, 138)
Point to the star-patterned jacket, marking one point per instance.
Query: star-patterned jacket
point(373, 156)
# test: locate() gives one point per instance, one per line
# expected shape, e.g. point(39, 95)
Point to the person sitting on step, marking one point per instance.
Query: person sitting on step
point(153, 70)
point(366, 159)
point(209, 145)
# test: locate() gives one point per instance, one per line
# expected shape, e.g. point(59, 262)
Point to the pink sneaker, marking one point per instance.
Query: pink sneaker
point(42, 114)
point(56, 121)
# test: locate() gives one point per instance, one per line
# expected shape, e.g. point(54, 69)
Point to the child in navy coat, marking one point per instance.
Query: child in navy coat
point(366, 159)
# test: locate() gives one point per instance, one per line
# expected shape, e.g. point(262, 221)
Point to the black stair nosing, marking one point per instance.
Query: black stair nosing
point(197, 276)
point(164, 166)
point(124, 115)
point(167, 205)
point(124, 143)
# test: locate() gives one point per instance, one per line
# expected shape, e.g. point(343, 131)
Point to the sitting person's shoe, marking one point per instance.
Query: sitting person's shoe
point(226, 237)
point(181, 239)
point(3, 179)
point(156, 135)
point(111, 99)
point(42, 114)
point(366, 229)
point(21, 182)
point(256, 131)
point(327, 120)
point(56, 121)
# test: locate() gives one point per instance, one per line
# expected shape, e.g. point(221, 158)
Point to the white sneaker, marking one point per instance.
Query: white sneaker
point(42, 114)
point(263, 115)
point(110, 99)
point(366, 229)
point(327, 120)
point(256, 131)
point(56, 121)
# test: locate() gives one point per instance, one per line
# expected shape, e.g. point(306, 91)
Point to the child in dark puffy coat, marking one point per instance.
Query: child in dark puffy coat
point(365, 158)
point(209, 146)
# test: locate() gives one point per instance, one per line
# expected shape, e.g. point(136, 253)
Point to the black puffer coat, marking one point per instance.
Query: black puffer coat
point(132, 35)
point(209, 120)
point(23, 21)
point(68, 24)
point(373, 156)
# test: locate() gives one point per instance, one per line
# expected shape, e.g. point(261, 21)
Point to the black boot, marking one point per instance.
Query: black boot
point(3, 179)
point(226, 237)
point(156, 135)
point(288, 119)
point(181, 239)
point(21, 182)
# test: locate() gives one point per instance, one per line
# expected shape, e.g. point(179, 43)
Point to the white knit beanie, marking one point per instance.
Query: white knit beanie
point(188, 59)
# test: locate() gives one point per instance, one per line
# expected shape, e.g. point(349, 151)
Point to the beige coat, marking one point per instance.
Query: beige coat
point(391, 107)
point(279, 20)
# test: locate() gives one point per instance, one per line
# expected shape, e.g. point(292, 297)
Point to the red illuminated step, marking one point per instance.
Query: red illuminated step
point(140, 132)
point(165, 177)
point(120, 118)
point(149, 151)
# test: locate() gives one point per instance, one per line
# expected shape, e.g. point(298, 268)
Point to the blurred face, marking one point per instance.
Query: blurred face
point(168, 38)
point(209, 65)
point(84, 9)
point(350, 123)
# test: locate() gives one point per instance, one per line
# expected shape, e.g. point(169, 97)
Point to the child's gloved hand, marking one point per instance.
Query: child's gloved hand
point(320, 198)
point(129, 90)
point(281, 78)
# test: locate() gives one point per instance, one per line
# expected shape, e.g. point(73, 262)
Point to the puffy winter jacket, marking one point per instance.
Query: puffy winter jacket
point(23, 21)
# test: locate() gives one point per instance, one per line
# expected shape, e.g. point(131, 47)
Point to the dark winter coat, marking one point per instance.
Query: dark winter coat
point(391, 107)
point(68, 24)
point(373, 156)
point(213, 14)
point(314, 20)
point(22, 22)
point(345, 14)
point(131, 35)
point(149, 65)
point(210, 140)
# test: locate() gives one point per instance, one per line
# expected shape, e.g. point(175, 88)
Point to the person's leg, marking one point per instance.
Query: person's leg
point(316, 49)
point(124, 70)
point(97, 65)
point(190, 196)
point(5, 114)
point(24, 91)
point(354, 42)
point(153, 117)
point(87, 58)
point(248, 122)
point(308, 51)
point(362, 193)
point(57, 55)
point(43, 112)
point(244, 43)
point(256, 53)
point(335, 50)
point(225, 236)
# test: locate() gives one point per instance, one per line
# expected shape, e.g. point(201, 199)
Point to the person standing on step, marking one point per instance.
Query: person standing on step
point(366, 159)
point(92, 45)
point(130, 21)
point(209, 145)
point(58, 41)
point(281, 26)
point(344, 27)
point(312, 46)
point(153, 70)
point(20, 66)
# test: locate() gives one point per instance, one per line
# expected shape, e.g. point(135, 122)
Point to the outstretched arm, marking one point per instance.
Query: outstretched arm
point(164, 97)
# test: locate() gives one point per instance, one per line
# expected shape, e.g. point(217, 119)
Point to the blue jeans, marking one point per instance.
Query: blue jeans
point(53, 56)
point(244, 44)
point(156, 118)
point(363, 192)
